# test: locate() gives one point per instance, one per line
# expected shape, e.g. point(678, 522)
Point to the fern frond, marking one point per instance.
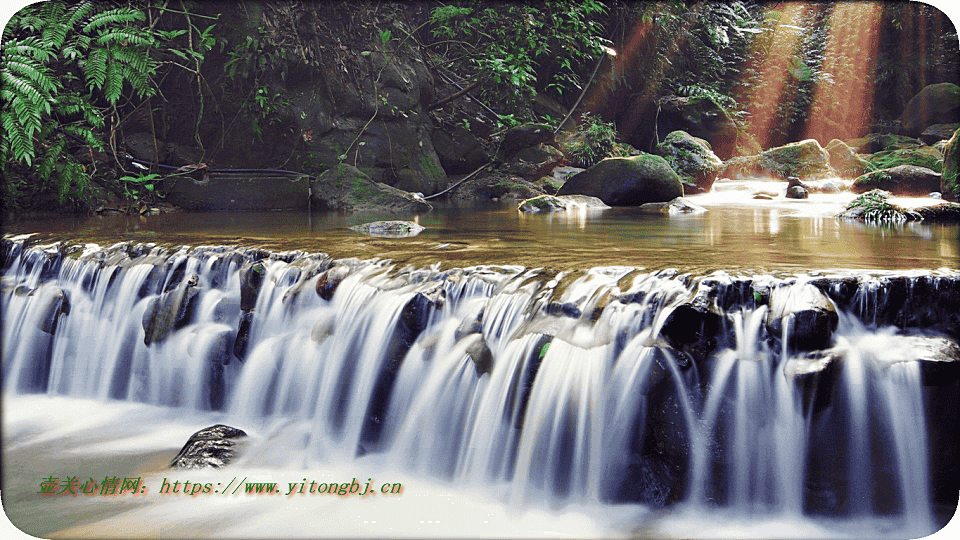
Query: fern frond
point(121, 15)
point(139, 60)
point(78, 13)
point(95, 67)
point(113, 82)
point(123, 36)
point(37, 74)
point(20, 143)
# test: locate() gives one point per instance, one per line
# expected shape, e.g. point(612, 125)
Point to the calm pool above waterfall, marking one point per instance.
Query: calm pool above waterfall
point(761, 370)
point(736, 233)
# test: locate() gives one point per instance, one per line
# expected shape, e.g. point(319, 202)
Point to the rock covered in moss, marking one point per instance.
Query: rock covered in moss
point(950, 180)
point(680, 205)
point(928, 157)
point(804, 159)
point(693, 159)
point(935, 104)
point(551, 203)
point(389, 229)
point(627, 181)
point(901, 180)
point(347, 188)
point(845, 160)
point(874, 207)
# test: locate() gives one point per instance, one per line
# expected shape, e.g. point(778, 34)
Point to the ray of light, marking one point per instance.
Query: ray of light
point(842, 106)
point(767, 91)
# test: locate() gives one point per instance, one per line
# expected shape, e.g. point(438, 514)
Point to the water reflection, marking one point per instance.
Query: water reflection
point(760, 236)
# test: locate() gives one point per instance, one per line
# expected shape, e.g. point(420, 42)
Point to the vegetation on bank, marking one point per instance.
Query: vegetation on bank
point(76, 75)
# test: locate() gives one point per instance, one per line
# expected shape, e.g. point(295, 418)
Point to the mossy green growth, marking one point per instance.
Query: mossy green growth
point(950, 181)
point(873, 207)
point(925, 156)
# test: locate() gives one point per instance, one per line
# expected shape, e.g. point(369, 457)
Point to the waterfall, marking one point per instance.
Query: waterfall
point(603, 386)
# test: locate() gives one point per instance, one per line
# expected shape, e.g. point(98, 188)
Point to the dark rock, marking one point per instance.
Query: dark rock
point(458, 150)
point(692, 159)
point(210, 447)
point(567, 309)
point(525, 136)
point(935, 104)
point(627, 181)
point(144, 147)
point(797, 192)
point(693, 328)
point(938, 132)
point(170, 311)
point(815, 374)
point(900, 180)
point(812, 316)
point(243, 335)
point(251, 279)
point(533, 162)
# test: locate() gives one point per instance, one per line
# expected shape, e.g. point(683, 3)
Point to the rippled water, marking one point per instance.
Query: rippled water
point(736, 233)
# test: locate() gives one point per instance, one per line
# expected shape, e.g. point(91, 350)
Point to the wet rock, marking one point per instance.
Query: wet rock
point(627, 181)
point(479, 352)
point(680, 205)
point(251, 279)
point(389, 229)
point(693, 328)
point(328, 281)
point(568, 309)
point(459, 150)
point(551, 203)
point(763, 196)
point(812, 317)
point(815, 375)
point(804, 159)
point(938, 357)
point(55, 302)
point(797, 192)
point(950, 180)
point(213, 447)
point(170, 311)
point(243, 335)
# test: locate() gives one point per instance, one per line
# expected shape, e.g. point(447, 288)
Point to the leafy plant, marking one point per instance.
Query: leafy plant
point(137, 187)
point(63, 66)
point(594, 140)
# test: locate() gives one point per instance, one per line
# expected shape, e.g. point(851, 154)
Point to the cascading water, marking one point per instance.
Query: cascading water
point(611, 386)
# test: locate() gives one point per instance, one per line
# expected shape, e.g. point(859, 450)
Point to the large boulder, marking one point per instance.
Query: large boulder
point(693, 159)
point(872, 143)
point(804, 159)
point(950, 180)
point(845, 160)
point(807, 314)
point(901, 180)
point(525, 136)
point(701, 117)
point(550, 203)
point(627, 181)
point(347, 188)
point(533, 162)
point(929, 157)
point(935, 104)
point(458, 150)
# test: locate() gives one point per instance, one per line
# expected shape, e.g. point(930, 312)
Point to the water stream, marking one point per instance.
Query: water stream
point(509, 400)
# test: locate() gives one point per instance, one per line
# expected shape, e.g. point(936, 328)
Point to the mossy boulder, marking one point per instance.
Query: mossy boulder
point(938, 132)
point(629, 181)
point(878, 142)
point(874, 207)
point(703, 117)
point(950, 180)
point(806, 160)
point(935, 104)
point(845, 160)
point(901, 180)
point(550, 203)
point(920, 156)
point(693, 160)
point(389, 229)
point(347, 188)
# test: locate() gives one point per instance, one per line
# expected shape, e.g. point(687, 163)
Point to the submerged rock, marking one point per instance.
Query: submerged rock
point(389, 229)
point(210, 447)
